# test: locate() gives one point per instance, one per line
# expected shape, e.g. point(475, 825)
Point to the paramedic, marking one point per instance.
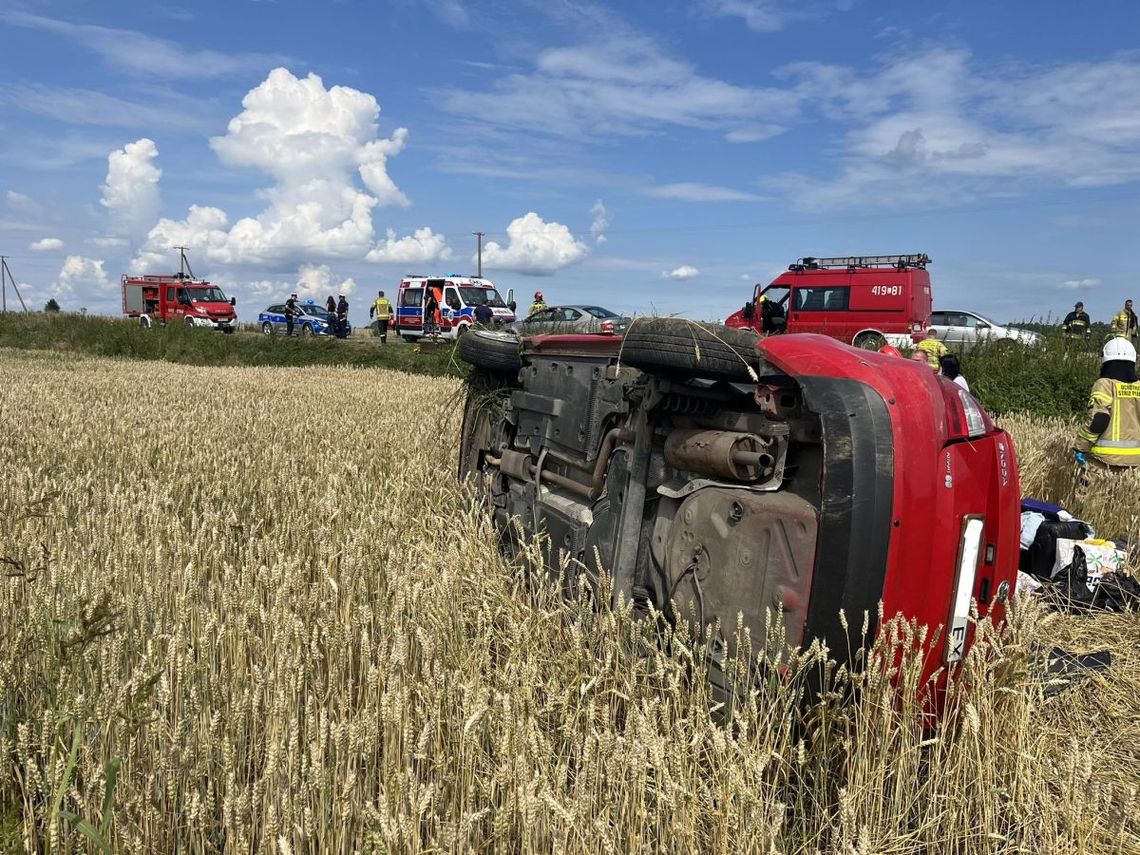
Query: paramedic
point(382, 309)
point(1112, 437)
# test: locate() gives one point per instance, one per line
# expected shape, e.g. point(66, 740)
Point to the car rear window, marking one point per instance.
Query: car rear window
point(412, 297)
point(599, 312)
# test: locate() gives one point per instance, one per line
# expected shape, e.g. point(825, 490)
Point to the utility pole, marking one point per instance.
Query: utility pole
point(5, 275)
point(479, 252)
point(183, 263)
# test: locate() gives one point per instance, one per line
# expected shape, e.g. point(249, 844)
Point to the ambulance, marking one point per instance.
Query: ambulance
point(457, 297)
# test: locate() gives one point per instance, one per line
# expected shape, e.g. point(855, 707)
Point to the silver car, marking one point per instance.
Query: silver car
point(572, 319)
point(959, 329)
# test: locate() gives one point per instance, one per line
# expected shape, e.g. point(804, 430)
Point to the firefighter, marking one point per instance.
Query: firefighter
point(291, 312)
point(932, 348)
point(382, 309)
point(539, 304)
point(1124, 322)
point(1076, 324)
point(1112, 438)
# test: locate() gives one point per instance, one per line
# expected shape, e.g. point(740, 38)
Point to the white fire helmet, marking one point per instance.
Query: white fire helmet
point(1118, 348)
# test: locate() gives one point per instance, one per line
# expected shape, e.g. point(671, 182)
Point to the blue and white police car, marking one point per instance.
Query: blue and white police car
point(312, 319)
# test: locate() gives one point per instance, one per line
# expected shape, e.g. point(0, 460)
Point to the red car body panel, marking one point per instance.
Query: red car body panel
point(938, 480)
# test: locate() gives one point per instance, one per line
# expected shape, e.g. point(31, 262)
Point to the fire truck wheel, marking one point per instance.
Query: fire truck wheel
point(144, 321)
point(869, 341)
point(189, 322)
point(496, 351)
point(686, 348)
point(267, 328)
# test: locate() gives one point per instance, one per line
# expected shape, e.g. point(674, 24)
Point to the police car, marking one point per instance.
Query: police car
point(312, 319)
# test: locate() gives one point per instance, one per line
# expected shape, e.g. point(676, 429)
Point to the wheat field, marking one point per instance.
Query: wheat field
point(249, 610)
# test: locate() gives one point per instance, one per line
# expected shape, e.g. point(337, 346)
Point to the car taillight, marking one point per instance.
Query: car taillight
point(965, 417)
point(607, 327)
point(969, 548)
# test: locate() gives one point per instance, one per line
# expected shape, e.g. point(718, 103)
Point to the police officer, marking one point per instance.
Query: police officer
point(342, 317)
point(1112, 438)
point(1124, 322)
point(382, 309)
point(1076, 324)
point(539, 304)
point(291, 312)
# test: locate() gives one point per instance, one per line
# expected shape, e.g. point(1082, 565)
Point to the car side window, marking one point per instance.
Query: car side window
point(539, 317)
point(571, 314)
point(276, 309)
point(938, 319)
point(969, 321)
point(822, 299)
point(452, 299)
point(412, 297)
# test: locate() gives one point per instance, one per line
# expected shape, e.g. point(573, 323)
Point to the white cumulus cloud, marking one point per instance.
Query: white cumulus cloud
point(534, 248)
point(601, 221)
point(685, 271)
point(130, 192)
point(421, 247)
point(317, 282)
point(80, 276)
point(1079, 284)
point(46, 245)
point(318, 145)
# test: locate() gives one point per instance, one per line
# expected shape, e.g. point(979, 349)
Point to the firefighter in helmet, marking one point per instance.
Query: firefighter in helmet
point(381, 308)
point(1112, 437)
point(539, 304)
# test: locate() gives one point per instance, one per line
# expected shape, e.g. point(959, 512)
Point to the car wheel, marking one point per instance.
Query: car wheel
point(496, 351)
point(1005, 345)
point(686, 348)
point(267, 328)
point(144, 321)
point(869, 341)
point(306, 330)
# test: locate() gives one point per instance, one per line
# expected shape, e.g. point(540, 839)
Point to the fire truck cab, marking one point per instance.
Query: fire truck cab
point(456, 296)
point(866, 301)
point(177, 298)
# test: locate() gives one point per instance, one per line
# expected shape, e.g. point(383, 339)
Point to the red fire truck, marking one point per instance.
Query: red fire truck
point(178, 298)
point(867, 301)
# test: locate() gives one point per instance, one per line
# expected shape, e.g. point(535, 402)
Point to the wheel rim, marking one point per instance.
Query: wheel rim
point(267, 328)
point(870, 341)
point(306, 330)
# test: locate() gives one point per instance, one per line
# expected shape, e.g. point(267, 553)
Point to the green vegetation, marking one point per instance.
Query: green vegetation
point(119, 337)
point(1050, 379)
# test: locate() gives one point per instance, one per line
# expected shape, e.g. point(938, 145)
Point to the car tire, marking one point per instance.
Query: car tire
point(869, 341)
point(497, 352)
point(267, 328)
point(144, 321)
point(306, 330)
point(686, 348)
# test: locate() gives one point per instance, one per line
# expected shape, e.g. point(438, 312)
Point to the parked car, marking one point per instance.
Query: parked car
point(312, 320)
point(959, 329)
point(727, 475)
point(572, 319)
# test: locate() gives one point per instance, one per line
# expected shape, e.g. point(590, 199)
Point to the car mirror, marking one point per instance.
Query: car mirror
point(982, 325)
point(233, 301)
point(514, 306)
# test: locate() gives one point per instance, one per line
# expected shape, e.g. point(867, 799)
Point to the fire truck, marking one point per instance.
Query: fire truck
point(178, 298)
point(863, 300)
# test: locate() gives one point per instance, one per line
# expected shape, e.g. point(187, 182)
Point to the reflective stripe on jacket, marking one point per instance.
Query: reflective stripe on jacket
point(1119, 443)
point(934, 349)
point(537, 306)
point(382, 309)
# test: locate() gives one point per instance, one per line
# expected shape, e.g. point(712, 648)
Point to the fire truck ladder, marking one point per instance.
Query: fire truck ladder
point(5, 275)
point(918, 259)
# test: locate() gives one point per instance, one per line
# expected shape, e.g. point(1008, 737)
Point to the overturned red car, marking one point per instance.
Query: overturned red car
point(715, 474)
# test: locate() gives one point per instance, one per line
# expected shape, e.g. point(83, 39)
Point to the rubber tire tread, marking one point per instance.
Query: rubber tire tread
point(490, 352)
point(666, 345)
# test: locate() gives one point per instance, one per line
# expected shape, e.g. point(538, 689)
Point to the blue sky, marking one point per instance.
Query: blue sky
point(645, 156)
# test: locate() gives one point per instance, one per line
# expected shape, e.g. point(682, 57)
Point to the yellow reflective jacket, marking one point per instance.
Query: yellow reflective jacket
point(1120, 324)
point(1119, 443)
point(537, 306)
point(934, 349)
point(382, 309)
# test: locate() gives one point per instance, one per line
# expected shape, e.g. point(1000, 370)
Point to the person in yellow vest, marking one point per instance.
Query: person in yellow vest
point(1124, 322)
point(933, 349)
point(539, 304)
point(1112, 438)
point(382, 310)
